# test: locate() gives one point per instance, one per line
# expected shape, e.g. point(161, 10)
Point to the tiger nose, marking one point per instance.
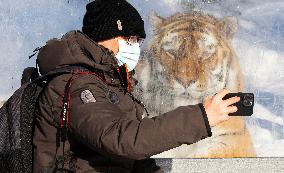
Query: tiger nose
point(186, 82)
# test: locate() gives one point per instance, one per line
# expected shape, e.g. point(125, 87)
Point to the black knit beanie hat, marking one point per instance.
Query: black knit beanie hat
point(106, 19)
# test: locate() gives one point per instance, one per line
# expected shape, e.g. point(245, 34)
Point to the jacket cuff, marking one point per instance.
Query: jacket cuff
point(205, 120)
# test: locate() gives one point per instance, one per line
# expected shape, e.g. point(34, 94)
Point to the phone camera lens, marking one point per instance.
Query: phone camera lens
point(248, 97)
point(247, 103)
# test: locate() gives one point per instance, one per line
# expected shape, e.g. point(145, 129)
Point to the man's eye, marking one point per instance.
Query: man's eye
point(132, 39)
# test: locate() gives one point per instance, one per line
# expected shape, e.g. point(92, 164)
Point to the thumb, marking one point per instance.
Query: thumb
point(226, 117)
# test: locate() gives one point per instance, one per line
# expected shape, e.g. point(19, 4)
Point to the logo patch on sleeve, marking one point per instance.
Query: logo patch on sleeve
point(112, 96)
point(87, 97)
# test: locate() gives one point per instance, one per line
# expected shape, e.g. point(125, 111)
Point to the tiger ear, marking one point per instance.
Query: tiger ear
point(155, 20)
point(228, 26)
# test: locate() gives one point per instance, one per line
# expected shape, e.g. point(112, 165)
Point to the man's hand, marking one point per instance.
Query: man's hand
point(217, 110)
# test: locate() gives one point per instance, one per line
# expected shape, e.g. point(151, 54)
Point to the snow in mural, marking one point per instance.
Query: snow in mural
point(258, 43)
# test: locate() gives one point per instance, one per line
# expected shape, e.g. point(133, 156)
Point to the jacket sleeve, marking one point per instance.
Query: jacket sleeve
point(102, 126)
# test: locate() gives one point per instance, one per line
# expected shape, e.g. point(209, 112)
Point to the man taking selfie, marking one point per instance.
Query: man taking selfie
point(106, 131)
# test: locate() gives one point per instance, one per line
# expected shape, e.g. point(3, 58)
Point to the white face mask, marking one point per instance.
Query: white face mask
point(128, 54)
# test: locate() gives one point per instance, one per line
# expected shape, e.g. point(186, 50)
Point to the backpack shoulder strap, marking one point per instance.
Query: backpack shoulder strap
point(60, 71)
point(31, 75)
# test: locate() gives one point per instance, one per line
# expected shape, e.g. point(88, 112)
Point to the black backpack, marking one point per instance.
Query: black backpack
point(16, 120)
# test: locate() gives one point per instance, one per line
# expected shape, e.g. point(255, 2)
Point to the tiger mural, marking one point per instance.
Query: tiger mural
point(189, 58)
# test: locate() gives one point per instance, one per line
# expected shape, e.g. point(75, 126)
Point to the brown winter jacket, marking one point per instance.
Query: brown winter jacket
point(103, 135)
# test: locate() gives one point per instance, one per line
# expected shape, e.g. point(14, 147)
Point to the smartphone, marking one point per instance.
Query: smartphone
point(245, 105)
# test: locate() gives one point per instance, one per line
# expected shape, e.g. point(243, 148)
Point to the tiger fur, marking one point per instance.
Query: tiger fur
point(189, 58)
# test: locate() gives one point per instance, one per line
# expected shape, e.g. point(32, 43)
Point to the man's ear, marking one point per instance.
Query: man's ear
point(116, 45)
point(118, 38)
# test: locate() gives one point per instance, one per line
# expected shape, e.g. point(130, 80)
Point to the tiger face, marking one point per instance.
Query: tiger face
point(192, 56)
point(189, 58)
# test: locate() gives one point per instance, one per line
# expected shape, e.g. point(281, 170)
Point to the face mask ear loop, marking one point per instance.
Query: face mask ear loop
point(117, 40)
point(117, 60)
point(129, 85)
